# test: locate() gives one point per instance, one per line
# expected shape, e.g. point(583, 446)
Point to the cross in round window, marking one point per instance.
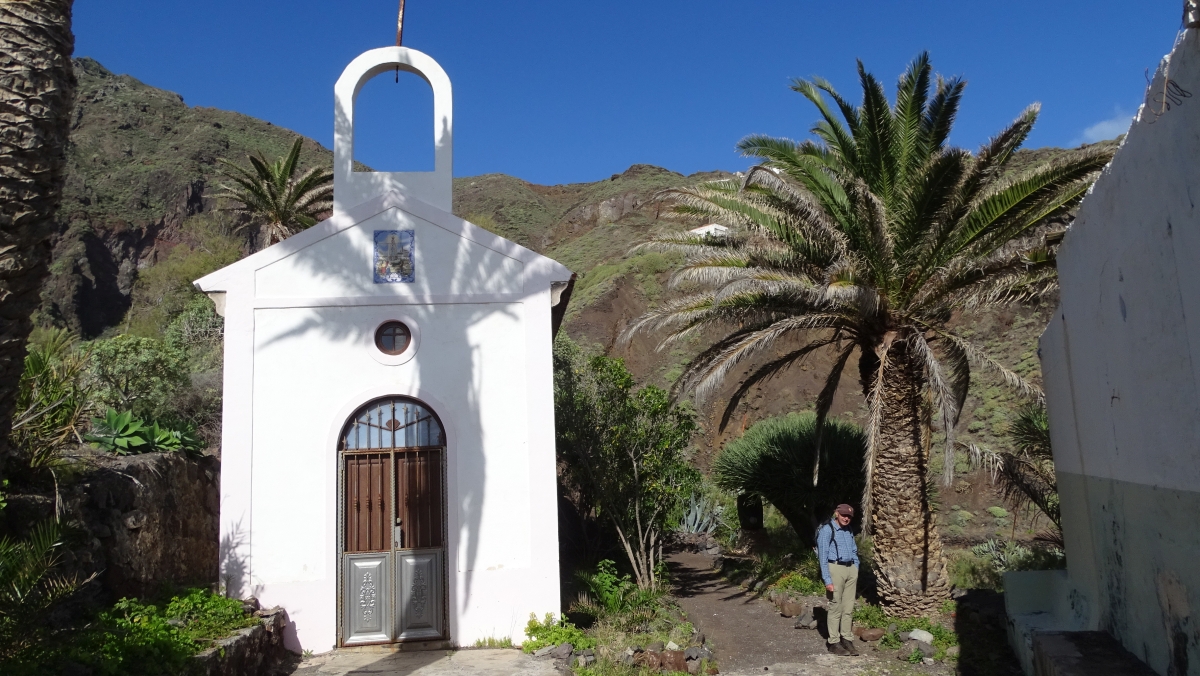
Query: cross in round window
point(392, 338)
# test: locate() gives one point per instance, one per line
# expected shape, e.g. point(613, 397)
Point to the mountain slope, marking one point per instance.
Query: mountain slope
point(140, 161)
point(142, 168)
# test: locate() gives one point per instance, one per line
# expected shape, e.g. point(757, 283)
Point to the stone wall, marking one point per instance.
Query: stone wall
point(141, 522)
point(255, 651)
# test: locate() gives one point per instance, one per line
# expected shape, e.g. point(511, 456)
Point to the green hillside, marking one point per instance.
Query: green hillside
point(138, 224)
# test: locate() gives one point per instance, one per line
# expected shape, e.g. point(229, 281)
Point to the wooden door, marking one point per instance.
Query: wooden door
point(393, 539)
point(367, 594)
point(420, 541)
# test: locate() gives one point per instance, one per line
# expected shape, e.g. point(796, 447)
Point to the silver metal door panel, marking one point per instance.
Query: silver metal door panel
point(367, 598)
point(420, 594)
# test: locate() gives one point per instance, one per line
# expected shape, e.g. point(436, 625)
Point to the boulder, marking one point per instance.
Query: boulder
point(671, 645)
point(951, 651)
point(693, 667)
point(857, 631)
point(673, 661)
point(649, 659)
point(892, 628)
point(656, 647)
point(920, 635)
point(543, 651)
point(562, 651)
point(871, 634)
point(806, 620)
point(926, 649)
point(692, 653)
point(791, 608)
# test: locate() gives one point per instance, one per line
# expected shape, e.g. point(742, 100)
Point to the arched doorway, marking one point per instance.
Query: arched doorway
point(392, 526)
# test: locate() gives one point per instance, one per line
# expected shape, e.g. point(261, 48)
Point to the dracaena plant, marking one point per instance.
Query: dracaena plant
point(865, 240)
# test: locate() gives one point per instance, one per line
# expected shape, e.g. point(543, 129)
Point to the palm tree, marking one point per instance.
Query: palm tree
point(271, 195)
point(867, 240)
point(1026, 474)
point(37, 90)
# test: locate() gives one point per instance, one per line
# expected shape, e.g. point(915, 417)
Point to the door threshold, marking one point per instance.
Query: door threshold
point(406, 646)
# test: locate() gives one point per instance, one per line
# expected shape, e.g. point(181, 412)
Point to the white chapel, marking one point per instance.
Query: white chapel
point(388, 467)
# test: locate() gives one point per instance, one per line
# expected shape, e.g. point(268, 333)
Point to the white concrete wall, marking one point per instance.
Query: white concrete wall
point(1121, 361)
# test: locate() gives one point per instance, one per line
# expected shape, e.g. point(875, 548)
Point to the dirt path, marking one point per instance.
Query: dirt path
point(749, 636)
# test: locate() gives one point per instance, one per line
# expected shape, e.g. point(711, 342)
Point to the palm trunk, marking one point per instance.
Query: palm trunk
point(37, 90)
point(910, 567)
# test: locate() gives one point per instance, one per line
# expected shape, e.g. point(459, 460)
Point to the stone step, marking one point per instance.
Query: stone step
point(1084, 653)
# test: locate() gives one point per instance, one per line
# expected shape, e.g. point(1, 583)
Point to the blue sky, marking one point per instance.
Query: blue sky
point(566, 91)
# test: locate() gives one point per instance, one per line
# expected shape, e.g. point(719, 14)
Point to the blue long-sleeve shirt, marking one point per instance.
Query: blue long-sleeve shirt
point(840, 547)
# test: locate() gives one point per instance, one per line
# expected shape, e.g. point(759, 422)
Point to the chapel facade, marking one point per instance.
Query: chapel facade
point(388, 466)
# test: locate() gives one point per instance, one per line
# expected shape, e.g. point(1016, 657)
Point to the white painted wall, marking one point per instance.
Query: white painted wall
point(1121, 362)
point(300, 358)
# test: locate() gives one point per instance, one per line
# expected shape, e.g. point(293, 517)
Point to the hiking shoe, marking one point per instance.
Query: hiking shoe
point(849, 647)
point(837, 649)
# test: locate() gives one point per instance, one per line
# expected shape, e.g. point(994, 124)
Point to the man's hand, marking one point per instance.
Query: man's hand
point(829, 587)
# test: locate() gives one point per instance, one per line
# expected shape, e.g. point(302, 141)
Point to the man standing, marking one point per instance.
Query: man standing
point(838, 553)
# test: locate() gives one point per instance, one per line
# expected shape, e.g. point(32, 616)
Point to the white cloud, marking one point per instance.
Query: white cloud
point(1106, 129)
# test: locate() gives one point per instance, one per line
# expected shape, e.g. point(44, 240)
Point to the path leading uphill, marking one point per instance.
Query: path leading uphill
point(749, 636)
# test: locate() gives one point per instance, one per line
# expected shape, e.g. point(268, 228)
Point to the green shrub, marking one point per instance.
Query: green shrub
point(137, 374)
point(206, 615)
point(800, 583)
point(997, 511)
point(133, 637)
point(554, 632)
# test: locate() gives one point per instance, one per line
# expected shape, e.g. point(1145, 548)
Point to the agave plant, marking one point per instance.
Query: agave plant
point(866, 241)
point(118, 433)
point(271, 195)
point(701, 516)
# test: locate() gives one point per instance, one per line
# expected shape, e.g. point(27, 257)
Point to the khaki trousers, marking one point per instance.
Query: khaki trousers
point(841, 607)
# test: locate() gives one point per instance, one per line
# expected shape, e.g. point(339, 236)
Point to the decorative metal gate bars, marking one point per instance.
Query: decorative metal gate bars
point(392, 465)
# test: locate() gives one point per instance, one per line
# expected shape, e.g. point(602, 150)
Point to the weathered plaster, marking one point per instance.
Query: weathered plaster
point(1121, 362)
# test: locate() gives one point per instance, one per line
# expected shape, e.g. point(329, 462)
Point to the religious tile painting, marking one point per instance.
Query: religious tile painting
point(394, 256)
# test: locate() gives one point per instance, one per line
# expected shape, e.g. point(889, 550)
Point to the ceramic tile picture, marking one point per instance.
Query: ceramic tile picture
point(394, 256)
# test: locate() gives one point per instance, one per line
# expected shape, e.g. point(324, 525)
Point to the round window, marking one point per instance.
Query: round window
point(392, 338)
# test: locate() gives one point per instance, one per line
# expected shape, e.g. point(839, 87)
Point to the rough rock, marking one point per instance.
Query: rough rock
point(671, 645)
point(693, 667)
point(791, 608)
point(920, 635)
point(952, 650)
point(891, 629)
point(649, 659)
point(562, 651)
point(673, 661)
point(699, 638)
point(928, 661)
point(872, 634)
point(255, 650)
point(543, 651)
point(656, 647)
point(926, 649)
point(692, 653)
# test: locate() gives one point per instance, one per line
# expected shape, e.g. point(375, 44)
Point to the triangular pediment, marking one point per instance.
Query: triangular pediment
point(392, 246)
